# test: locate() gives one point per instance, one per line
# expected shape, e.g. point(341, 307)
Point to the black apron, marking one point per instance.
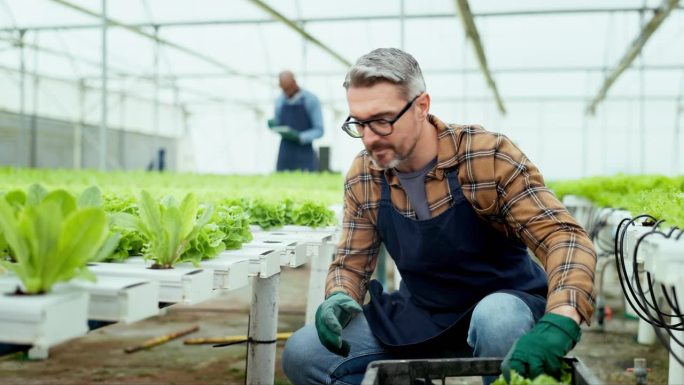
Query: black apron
point(293, 155)
point(448, 264)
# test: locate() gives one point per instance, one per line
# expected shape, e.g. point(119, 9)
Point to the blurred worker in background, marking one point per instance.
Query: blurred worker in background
point(298, 120)
point(457, 207)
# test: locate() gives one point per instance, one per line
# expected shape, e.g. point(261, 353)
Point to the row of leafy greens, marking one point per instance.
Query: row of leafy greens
point(166, 231)
point(657, 195)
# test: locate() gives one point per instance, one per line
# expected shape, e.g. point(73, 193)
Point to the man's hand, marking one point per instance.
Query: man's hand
point(331, 317)
point(542, 349)
point(291, 135)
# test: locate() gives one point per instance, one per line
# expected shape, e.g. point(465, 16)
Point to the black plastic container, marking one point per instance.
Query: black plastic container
point(398, 372)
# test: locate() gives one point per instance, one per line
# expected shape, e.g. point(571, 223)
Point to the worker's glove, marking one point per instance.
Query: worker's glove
point(332, 316)
point(541, 350)
point(291, 135)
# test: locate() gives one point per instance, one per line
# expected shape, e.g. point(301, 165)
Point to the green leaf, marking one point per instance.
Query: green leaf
point(36, 193)
point(107, 248)
point(125, 221)
point(90, 197)
point(17, 198)
point(150, 214)
point(65, 202)
point(9, 226)
point(188, 214)
point(83, 234)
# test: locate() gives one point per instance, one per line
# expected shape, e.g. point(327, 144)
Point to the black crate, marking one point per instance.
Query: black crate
point(397, 372)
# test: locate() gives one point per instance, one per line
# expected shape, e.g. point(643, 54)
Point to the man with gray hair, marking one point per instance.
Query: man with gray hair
point(456, 207)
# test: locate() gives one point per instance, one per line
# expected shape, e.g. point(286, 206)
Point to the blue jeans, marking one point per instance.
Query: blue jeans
point(497, 321)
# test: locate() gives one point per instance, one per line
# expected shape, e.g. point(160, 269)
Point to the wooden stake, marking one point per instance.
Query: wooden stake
point(160, 340)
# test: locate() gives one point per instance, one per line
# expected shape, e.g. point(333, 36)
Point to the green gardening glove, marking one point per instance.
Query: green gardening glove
point(541, 350)
point(291, 135)
point(331, 317)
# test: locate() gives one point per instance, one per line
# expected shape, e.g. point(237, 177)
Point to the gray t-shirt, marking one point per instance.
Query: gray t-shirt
point(414, 185)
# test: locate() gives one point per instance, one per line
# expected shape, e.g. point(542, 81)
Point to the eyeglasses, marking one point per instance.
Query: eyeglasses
point(382, 127)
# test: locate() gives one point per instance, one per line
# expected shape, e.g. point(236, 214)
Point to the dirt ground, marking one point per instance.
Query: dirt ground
point(99, 358)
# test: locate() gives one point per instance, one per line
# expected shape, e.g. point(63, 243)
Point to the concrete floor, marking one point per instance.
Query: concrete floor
point(99, 358)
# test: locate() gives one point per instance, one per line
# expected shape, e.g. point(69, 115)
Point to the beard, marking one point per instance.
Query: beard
point(395, 160)
point(392, 163)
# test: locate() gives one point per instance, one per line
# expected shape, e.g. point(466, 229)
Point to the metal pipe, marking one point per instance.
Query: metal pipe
point(337, 19)
point(78, 128)
point(155, 109)
point(676, 149)
point(280, 17)
point(633, 50)
point(102, 159)
point(76, 83)
point(33, 148)
point(679, 108)
point(642, 106)
point(402, 25)
point(139, 31)
point(439, 71)
point(23, 127)
point(472, 33)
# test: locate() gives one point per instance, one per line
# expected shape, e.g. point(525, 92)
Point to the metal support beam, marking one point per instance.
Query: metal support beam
point(23, 147)
point(633, 50)
point(338, 19)
point(295, 27)
point(102, 152)
point(437, 71)
point(167, 43)
point(78, 127)
point(471, 31)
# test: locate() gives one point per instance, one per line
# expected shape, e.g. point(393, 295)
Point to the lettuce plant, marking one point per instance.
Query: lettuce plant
point(234, 223)
point(168, 227)
point(52, 239)
point(312, 214)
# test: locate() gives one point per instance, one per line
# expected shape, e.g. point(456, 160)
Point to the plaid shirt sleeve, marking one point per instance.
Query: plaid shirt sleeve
point(506, 188)
point(359, 244)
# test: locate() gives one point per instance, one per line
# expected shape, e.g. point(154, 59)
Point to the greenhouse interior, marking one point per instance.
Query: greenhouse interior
point(259, 192)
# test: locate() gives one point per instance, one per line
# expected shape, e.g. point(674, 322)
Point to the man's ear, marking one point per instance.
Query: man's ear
point(423, 103)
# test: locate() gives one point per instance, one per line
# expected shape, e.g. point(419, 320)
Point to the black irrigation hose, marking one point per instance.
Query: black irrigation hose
point(660, 321)
point(663, 340)
point(620, 264)
point(635, 272)
point(599, 222)
point(680, 234)
point(675, 308)
point(672, 230)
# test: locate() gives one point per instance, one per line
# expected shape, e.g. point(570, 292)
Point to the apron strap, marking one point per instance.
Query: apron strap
point(454, 185)
point(385, 195)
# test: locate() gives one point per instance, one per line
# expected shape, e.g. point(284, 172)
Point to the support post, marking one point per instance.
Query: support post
point(319, 271)
point(263, 324)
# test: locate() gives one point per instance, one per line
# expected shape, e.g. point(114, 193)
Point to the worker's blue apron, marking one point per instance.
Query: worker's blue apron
point(448, 264)
point(293, 155)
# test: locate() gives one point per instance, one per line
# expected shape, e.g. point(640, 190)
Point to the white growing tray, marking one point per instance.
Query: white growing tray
point(121, 299)
point(264, 262)
point(181, 284)
point(43, 321)
point(314, 240)
point(292, 253)
point(229, 273)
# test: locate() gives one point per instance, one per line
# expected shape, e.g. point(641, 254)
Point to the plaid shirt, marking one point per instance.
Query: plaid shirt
point(503, 187)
